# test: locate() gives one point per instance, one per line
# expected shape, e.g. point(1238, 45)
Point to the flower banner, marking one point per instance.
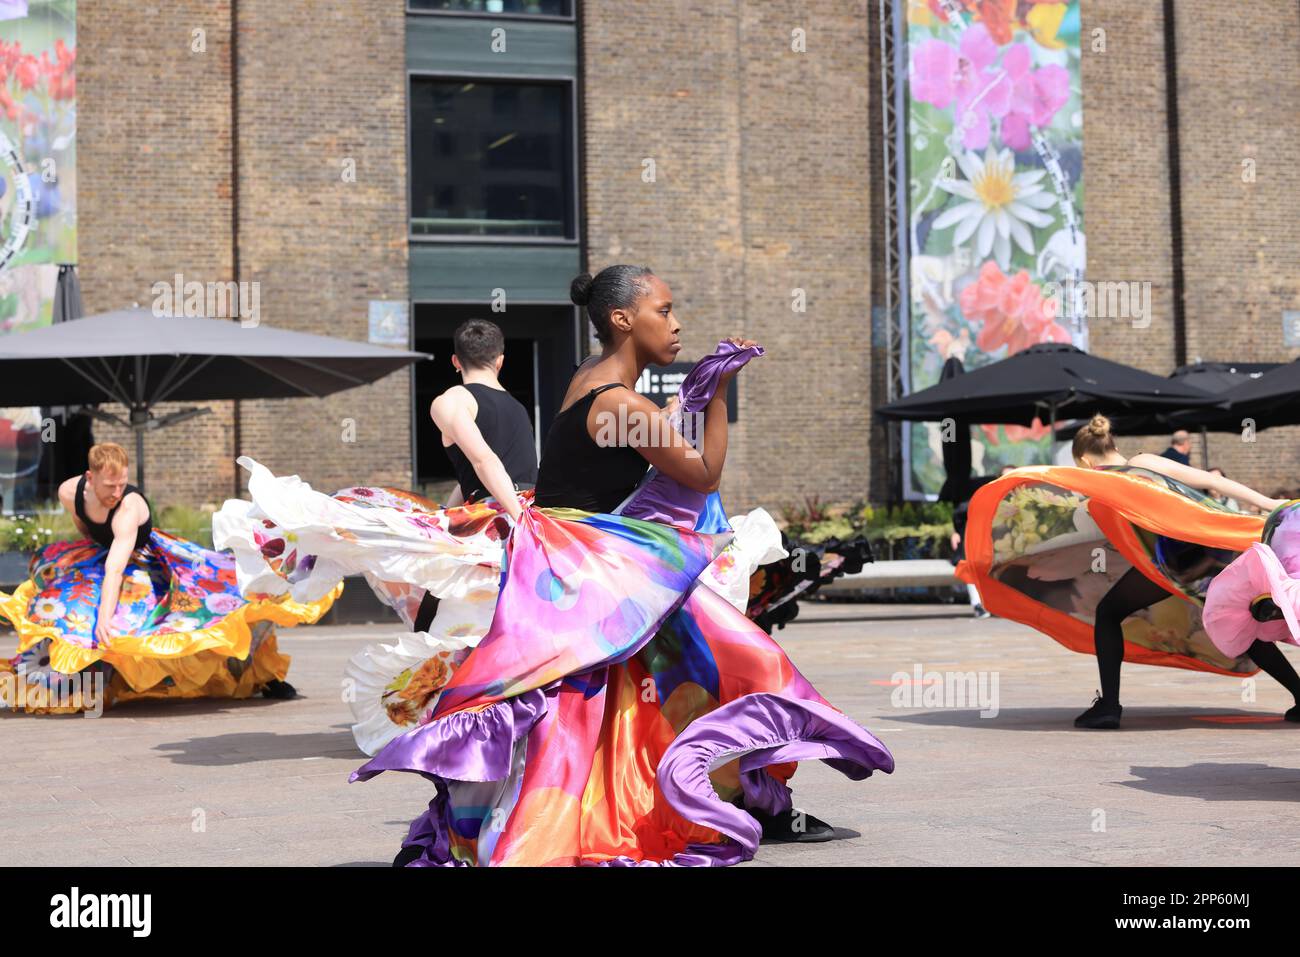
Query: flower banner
point(994, 204)
point(38, 156)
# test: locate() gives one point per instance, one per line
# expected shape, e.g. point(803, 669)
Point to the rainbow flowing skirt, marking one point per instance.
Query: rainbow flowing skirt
point(617, 711)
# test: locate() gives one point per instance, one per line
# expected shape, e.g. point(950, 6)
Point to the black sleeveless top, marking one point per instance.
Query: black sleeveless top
point(504, 423)
point(101, 533)
point(576, 472)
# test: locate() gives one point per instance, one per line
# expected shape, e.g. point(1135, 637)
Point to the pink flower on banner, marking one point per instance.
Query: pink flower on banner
point(943, 73)
point(934, 73)
point(967, 79)
point(981, 94)
point(942, 76)
point(1036, 96)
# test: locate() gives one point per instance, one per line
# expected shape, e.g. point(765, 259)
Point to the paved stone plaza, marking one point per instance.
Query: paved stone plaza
point(1194, 777)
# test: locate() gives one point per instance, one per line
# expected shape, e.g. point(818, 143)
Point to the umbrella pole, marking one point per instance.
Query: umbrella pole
point(1205, 448)
point(139, 419)
point(1051, 436)
point(139, 458)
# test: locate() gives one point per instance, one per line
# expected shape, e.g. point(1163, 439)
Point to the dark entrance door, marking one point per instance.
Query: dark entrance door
point(539, 360)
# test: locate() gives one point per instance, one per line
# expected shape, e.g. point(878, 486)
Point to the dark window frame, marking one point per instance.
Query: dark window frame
point(575, 146)
point(484, 15)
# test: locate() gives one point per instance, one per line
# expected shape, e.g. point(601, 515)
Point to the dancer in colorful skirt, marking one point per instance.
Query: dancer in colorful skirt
point(132, 612)
point(616, 712)
point(1257, 598)
point(391, 685)
point(1115, 558)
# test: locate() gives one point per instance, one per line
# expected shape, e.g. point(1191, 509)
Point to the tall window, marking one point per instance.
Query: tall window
point(491, 158)
point(518, 8)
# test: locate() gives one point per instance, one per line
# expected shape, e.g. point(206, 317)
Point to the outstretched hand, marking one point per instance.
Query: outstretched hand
point(725, 379)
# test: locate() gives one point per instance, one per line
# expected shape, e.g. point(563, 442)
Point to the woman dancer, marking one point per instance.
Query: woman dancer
point(615, 713)
point(1094, 447)
point(1114, 559)
point(132, 612)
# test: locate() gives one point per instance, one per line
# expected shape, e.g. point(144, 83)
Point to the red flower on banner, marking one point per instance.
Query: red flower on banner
point(1012, 309)
point(1016, 433)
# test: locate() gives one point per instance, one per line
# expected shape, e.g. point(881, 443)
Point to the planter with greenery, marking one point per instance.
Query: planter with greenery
point(29, 533)
point(907, 530)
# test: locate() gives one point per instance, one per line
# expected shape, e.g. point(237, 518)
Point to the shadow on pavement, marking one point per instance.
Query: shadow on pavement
point(248, 747)
point(1062, 719)
point(1219, 782)
point(162, 707)
point(840, 834)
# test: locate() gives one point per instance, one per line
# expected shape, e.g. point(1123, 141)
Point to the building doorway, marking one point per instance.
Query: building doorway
point(541, 352)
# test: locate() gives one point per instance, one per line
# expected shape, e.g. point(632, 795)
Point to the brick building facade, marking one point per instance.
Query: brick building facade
point(765, 189)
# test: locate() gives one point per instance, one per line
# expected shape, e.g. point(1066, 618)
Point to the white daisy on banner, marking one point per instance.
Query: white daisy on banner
point(1000, 206)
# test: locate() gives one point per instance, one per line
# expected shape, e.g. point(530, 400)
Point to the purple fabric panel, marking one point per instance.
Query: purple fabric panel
point(660, 498)
point(465, 746)
point(765, 729)
point(430, 832)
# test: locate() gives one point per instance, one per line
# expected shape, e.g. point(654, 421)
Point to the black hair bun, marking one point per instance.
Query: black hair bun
point(580, 289)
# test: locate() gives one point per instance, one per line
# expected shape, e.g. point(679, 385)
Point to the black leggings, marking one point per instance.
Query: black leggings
point(1133, 592)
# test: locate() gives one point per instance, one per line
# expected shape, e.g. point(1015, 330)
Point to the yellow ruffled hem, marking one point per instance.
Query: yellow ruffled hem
point(145, 661)
point(203, 675)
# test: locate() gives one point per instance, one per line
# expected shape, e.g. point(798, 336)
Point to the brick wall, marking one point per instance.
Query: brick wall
point(1239, 96)
point(153, 170)
point(319, 82)
point(322, 82)
point(760, 155)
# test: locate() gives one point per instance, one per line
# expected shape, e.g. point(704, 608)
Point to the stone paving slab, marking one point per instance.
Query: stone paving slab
point(1197, 776)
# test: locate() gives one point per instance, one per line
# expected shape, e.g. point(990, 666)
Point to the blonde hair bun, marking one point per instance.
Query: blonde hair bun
point(1099, 425)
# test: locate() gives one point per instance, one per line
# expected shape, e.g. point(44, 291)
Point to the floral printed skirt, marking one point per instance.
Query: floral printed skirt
point(181, 629)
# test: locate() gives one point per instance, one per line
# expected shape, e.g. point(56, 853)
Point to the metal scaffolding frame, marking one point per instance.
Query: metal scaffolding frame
point(893, 143)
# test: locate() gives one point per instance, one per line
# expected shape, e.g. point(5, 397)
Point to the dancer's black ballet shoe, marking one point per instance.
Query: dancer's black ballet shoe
point(280, 690)
point(407, 854)
point(1102, 715)
point(793, 827)
point(1293, 714)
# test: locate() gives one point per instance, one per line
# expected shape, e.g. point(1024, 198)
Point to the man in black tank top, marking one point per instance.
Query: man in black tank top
point(485, 430)
point(111, 513)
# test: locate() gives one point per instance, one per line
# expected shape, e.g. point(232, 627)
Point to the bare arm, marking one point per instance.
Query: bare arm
point(1205, 481)
point(452, 414)
point(126, 523)
point(649, 432)
point(455, 497)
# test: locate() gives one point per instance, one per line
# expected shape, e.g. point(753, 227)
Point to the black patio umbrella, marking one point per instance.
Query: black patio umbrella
point(138, 359)
point(1216, 378)
point(1041, 382)
point(1271, 400)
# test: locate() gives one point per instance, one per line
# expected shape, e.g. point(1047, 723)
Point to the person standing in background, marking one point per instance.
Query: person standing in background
point(1180, 448)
